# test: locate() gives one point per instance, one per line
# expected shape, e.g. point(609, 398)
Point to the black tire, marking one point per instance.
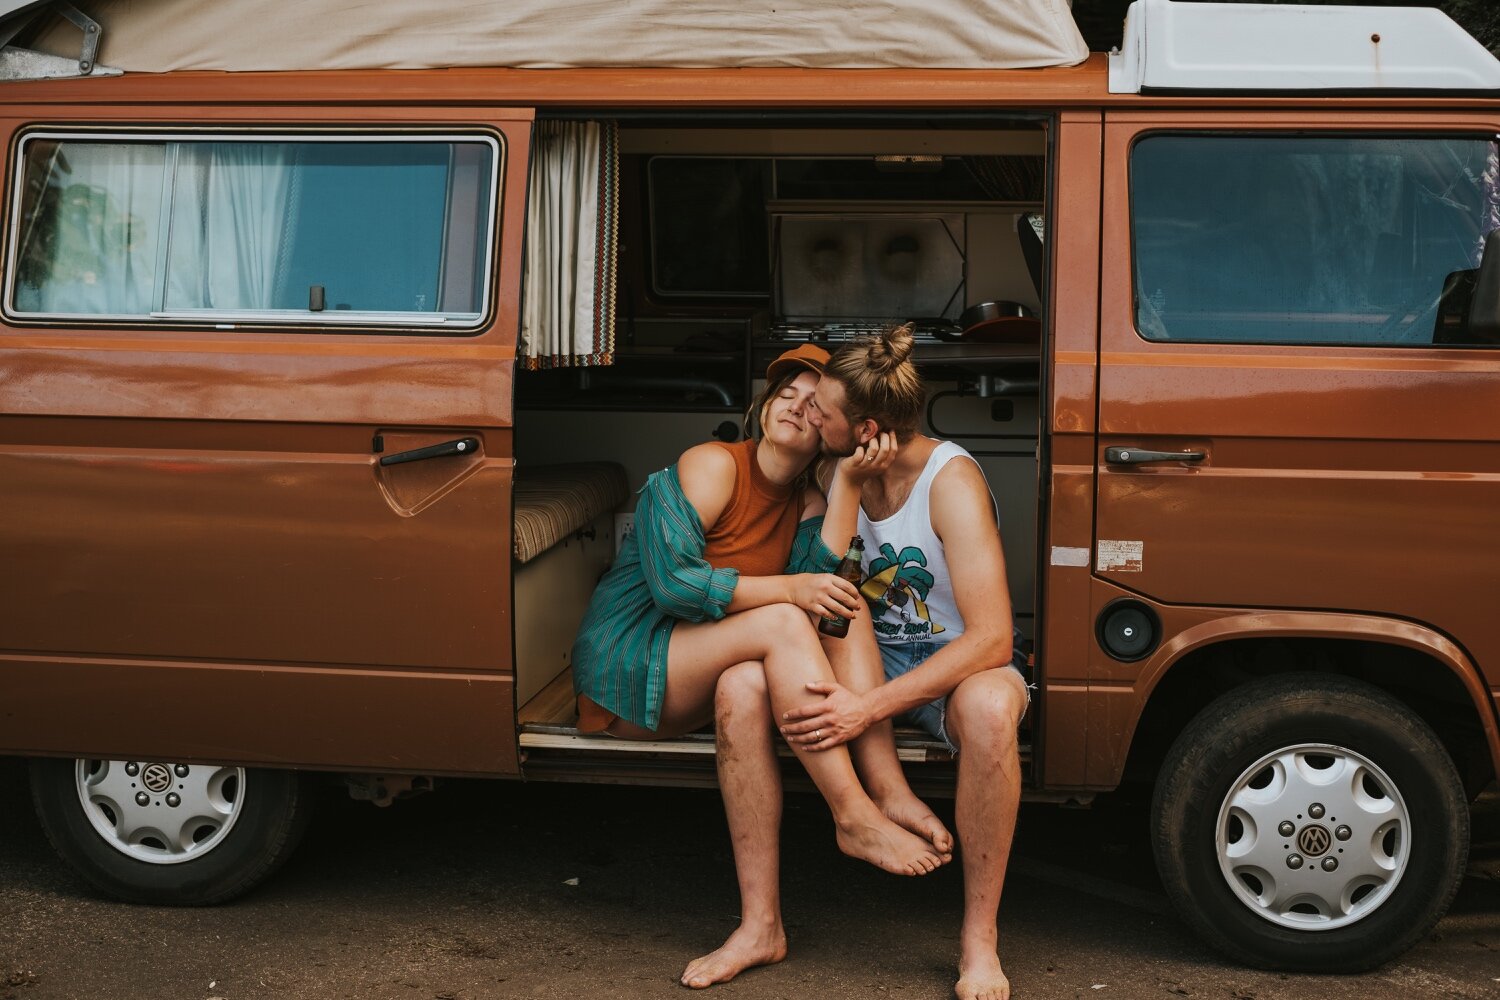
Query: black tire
point(273, 809)
point(1236, 732)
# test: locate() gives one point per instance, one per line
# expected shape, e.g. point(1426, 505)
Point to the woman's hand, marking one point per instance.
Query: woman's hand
point(840, 717)
point(825, 594)
point(869, 460)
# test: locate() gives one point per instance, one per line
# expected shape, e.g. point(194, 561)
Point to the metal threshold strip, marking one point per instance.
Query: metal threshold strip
point(912, 746)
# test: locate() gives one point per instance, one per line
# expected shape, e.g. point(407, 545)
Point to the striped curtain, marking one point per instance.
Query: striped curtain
point(572, 243)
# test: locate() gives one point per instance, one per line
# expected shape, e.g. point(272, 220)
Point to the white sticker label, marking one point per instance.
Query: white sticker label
point(1119, 555)
point(1067, 555)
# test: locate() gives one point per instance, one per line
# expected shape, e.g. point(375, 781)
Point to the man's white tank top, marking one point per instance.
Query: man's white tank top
point(906, 581)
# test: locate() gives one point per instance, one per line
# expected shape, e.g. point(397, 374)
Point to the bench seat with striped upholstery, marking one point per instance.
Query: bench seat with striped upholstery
point(554, 501)
point(563, 542)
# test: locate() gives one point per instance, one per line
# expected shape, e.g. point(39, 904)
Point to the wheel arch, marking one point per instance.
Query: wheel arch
point(1419, 666)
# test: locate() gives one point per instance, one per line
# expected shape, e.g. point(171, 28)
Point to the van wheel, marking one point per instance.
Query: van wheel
point(1310, 823)
point(169, 834)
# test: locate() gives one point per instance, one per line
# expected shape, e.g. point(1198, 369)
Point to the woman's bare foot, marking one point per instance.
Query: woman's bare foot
point(745, 949)
point(887, 846)
point(982, 979)
point(911, 813)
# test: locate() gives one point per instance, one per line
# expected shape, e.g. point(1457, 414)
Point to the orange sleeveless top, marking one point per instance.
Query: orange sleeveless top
point(754, 535)
point(755, 532)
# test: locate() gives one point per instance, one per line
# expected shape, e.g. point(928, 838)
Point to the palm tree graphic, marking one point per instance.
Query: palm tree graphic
point(892, 573)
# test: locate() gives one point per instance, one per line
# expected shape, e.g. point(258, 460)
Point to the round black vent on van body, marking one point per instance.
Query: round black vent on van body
point(1128, 630)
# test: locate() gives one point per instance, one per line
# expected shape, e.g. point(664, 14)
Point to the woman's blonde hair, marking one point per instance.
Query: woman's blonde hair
point(880, 381)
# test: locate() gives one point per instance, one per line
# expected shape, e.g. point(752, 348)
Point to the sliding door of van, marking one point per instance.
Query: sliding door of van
point(255, 438)
point(1296, 408)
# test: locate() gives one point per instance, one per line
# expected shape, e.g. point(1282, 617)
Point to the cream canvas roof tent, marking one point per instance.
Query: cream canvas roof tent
point(155, 36)
point(1172, 46)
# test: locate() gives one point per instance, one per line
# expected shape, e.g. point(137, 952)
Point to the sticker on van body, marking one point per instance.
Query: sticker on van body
point(1119, 555)
point(1067, 555)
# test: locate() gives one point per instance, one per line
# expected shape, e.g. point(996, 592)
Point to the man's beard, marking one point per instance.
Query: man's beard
point(832, 452)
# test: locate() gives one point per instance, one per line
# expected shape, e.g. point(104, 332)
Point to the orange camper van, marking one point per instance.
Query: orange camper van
point(330, 358)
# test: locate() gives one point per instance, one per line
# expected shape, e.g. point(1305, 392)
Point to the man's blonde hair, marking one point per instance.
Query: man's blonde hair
point(880, 381)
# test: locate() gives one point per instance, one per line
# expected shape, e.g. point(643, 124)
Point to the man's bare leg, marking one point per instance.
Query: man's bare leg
point(750, 779)
point(856, 664)
point(983, 714)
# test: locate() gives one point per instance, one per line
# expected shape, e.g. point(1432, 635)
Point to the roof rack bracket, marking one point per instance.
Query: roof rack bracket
point(91, 32)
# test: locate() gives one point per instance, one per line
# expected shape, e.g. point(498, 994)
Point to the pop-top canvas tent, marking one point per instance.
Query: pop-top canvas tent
point(155, 36)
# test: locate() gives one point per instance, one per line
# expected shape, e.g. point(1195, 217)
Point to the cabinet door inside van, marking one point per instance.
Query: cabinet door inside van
point(255, 450)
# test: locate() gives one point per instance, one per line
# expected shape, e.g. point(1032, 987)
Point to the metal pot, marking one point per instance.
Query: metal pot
point(999, 322)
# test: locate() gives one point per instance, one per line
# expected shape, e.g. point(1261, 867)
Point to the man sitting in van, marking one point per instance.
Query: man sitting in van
point(938, 650)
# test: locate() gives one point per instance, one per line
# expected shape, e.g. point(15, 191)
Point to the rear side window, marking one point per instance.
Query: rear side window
point(365, 231)
point(1310, 240)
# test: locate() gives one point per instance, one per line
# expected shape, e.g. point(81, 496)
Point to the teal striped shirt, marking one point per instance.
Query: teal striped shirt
point(659, 578)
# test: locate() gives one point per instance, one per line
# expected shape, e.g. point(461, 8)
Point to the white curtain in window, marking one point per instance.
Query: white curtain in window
point(93, 247)
point(572, 225)
point(232, 222)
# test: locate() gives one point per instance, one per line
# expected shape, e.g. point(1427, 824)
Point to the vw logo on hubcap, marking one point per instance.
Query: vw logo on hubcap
point(156, 777)
point(1313, 840)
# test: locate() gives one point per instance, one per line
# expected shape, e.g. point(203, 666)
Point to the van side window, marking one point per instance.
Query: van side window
point(320, 231)
point(1280, 239)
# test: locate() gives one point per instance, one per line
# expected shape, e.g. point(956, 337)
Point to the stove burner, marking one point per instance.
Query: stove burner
point(842, 332)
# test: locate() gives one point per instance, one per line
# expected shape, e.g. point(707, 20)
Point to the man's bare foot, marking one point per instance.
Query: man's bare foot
point(982, 979)
point(745, 949)
point(887, 846)
point(911, 813)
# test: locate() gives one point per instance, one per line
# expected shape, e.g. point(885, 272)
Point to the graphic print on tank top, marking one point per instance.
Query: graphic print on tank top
point(906, 578)
point(898, 582)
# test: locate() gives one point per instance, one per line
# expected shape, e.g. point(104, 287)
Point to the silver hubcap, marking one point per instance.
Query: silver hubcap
point(163, 813)
point(1313, 837)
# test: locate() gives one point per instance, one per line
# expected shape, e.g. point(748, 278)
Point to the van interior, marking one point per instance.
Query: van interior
point(739, 239)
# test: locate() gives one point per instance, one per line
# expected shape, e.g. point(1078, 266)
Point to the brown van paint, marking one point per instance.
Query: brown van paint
point(1063, 651)
point(1167, 382)
point(1191, 628)
point(370, 624)
point(1297, 438)
point(1084, 86)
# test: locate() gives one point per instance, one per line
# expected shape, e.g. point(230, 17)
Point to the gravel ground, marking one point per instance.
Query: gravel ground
point(470, 893)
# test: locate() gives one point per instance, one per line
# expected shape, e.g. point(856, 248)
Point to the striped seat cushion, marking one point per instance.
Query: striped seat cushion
point(553, 501)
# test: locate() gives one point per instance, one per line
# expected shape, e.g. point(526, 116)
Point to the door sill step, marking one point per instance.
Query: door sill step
point(912, 746)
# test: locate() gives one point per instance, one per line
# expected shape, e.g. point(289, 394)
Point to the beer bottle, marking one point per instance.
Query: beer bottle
point(851, 568)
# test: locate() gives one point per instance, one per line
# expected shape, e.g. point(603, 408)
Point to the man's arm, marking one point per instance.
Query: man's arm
point(841, 479)
point(963, 516)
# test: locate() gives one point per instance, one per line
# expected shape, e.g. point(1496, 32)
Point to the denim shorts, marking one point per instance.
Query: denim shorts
point(904, 657)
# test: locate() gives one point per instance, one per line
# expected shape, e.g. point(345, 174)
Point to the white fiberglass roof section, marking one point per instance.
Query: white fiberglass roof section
point(1284, 47)
point(155, 36)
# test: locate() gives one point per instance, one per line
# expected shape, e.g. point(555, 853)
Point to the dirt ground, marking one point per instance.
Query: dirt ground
point(498, 890)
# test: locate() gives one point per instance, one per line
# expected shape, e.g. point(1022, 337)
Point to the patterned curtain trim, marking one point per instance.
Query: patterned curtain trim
point(559, 330)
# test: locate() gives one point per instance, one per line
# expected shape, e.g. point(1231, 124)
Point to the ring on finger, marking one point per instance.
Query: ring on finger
point(817, 734)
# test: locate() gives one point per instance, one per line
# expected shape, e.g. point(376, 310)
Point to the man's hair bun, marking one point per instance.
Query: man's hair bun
point(891, 348)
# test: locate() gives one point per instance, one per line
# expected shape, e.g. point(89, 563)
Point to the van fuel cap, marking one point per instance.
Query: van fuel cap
point(1128, 630)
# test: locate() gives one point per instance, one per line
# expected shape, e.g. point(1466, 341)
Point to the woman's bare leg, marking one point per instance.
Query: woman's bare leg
point(750, 778)
point(782, 638)
point(856, 663)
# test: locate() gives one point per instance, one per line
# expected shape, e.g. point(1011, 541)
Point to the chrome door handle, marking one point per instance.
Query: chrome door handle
point(1135, 456)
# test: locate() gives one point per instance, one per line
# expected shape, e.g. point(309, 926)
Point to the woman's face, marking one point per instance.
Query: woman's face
point(785, 422)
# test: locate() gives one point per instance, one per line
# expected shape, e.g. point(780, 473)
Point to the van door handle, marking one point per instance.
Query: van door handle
point(462, 446)
point(1135, 456)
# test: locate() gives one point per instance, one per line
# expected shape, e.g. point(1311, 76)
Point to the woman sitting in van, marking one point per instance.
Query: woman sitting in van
point(723, 567)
